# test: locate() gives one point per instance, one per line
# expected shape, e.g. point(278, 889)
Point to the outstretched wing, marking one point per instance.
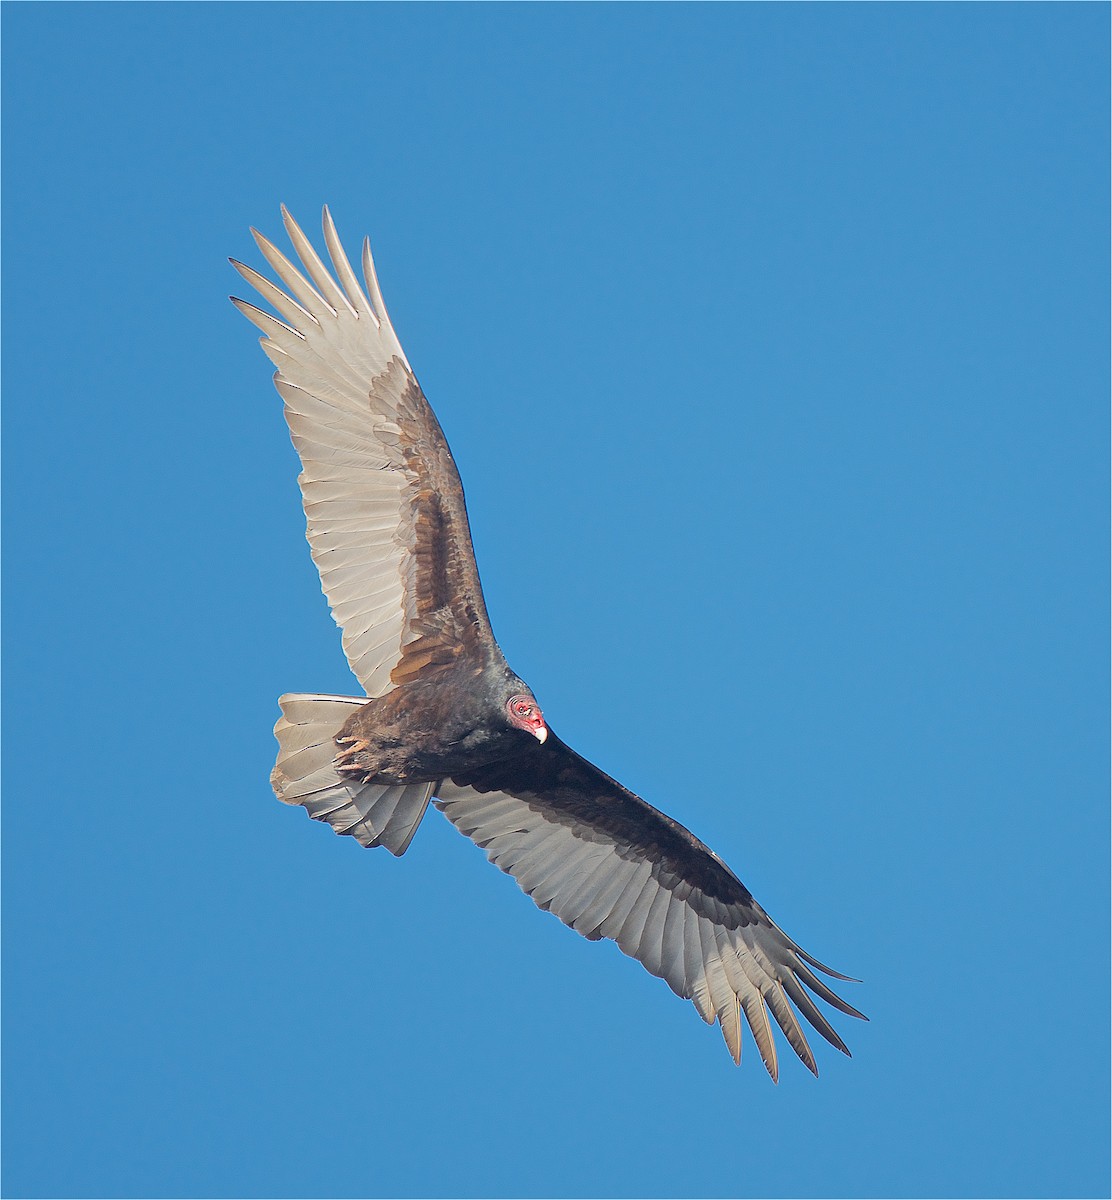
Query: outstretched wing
point(384, 507)
point(611, 866)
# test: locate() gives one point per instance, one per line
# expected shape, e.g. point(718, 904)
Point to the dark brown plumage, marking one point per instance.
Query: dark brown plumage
point(444, 714)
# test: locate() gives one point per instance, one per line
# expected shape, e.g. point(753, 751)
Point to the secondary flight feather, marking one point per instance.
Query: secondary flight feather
point(444, 717)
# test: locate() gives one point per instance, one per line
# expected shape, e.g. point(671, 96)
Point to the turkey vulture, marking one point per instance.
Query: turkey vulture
point(444, 717)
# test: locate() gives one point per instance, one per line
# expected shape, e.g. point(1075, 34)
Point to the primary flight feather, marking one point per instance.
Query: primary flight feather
point(444, 717)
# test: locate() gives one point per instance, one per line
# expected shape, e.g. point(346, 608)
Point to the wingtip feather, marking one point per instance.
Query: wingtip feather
point(814, 962)
point(355, 294)
point(263, 320)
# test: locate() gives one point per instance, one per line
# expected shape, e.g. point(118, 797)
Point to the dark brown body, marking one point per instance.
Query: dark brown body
point(411, 735)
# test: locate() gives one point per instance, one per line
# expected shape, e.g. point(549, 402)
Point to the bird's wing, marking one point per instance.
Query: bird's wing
point(611, 866)
point(384, 507)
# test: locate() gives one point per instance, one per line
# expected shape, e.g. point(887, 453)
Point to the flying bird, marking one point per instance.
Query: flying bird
point(445, 718)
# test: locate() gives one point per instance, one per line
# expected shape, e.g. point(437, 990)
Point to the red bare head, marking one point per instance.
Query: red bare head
point(524, 714)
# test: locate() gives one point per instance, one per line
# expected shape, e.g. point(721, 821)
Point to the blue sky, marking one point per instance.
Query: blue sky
point(772, 344)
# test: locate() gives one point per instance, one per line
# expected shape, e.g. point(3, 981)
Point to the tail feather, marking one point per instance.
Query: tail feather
point(375, 814)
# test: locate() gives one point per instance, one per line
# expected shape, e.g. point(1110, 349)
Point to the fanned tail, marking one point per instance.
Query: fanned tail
point(375, 814)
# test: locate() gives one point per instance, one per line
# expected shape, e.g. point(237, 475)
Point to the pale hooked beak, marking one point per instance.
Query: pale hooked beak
point(540, 733)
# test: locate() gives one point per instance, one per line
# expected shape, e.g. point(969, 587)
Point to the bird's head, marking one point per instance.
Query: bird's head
point(524, 712)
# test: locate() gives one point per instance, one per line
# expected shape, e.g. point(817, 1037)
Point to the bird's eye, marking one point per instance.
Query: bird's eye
point(521, 708)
